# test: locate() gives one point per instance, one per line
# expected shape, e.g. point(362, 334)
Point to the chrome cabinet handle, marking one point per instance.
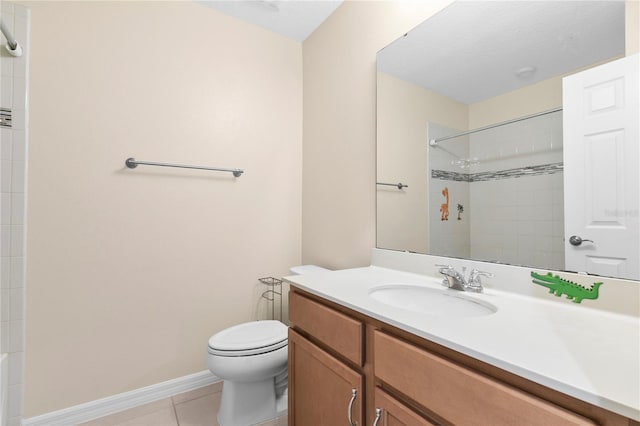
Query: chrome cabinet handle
point(377, 419)
point(354, 392)
point(575, 240)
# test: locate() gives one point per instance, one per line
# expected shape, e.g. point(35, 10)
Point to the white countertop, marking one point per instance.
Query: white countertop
point(589, 354)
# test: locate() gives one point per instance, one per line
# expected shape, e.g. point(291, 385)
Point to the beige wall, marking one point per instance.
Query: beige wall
point(403, 111)
point(130, 271)
point(339, 193)
point(542, 96)
point(632, 27)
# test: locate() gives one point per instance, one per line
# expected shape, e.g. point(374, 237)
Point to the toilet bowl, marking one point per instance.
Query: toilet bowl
point(251, 359)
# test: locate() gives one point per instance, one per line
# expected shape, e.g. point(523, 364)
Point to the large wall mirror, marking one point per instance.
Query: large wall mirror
point(470, 128)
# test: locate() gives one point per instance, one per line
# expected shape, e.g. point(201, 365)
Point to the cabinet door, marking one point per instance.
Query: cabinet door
point(394, 413)
point(321, 387)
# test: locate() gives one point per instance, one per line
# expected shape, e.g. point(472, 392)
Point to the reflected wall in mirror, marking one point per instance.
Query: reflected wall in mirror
point(494, 194)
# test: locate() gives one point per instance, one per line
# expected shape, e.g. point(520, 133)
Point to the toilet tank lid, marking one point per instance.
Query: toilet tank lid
point(305, 269)
point(249, 335)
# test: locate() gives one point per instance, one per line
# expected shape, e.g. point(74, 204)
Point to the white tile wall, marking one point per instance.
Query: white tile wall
point(4, 379)
point(523, 231)
point(451, 237)
point(530, 142)
point(517, 220)
point(13, 146)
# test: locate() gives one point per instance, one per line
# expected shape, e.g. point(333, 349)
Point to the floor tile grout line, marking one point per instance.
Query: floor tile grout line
point(175, 412)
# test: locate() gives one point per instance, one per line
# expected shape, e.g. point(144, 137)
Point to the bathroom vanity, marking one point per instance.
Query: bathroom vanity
point(525, 360)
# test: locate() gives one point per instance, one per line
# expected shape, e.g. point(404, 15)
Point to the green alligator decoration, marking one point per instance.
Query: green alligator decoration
point(559, 286)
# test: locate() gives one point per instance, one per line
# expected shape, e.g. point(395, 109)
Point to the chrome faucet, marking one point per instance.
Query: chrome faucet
point(452, 278)
point(456, 280)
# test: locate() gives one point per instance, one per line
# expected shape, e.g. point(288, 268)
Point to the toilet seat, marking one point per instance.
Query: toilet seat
point(251, 338)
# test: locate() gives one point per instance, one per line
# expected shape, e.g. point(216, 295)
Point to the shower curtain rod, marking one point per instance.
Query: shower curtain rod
point(12, 44)
point(434, 142)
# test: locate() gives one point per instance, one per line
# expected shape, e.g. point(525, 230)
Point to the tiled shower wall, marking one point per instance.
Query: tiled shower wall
point(518, 213)
point(448, 237)
point(513, 184)
point(13, 95)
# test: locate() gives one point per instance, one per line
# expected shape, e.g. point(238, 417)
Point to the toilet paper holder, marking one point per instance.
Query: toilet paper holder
point(274, 291)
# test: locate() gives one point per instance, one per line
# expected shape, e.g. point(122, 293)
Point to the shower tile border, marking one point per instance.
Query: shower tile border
point(543, 169)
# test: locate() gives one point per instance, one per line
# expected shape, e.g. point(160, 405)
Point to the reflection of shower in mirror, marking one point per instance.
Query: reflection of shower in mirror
point(505, 172)
point(465, 163)
point(12, 46)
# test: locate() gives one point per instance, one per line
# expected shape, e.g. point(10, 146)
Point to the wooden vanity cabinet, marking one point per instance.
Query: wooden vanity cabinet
point(327, 381)
point(415, 382)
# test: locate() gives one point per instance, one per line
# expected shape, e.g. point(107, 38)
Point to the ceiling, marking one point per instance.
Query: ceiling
point(295, 19)
point(474, 50)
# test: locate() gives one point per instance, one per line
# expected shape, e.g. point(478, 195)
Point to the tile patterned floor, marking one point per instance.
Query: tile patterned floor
point(194, 408)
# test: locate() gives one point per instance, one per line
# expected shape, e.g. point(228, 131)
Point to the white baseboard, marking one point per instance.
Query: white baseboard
point(123, 401)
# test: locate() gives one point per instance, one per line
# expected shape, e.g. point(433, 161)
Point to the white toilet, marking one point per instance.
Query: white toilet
point(251, 358)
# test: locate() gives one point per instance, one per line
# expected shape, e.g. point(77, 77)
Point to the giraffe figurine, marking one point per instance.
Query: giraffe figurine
point(444, 207)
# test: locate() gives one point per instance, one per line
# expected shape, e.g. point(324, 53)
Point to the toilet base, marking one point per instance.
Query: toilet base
point(282, 404)
point(249, 403)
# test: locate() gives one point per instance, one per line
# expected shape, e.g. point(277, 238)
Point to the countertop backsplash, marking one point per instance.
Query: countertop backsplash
point(615, 295)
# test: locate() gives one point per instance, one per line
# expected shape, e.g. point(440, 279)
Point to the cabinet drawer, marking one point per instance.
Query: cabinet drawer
point(337, 330)
point(458, 394)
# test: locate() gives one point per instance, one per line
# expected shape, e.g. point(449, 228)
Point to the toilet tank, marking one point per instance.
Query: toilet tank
point(305, 269)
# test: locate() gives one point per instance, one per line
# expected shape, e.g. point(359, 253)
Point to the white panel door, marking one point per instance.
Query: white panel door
point(601, 161)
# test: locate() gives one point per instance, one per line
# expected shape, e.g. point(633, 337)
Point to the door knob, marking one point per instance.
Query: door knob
point(576, 240)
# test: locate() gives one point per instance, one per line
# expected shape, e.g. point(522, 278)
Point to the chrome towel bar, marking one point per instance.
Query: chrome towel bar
point(398, 185)
point(132, 163)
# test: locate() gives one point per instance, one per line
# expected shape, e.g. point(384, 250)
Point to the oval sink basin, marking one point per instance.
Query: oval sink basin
point(450, 303)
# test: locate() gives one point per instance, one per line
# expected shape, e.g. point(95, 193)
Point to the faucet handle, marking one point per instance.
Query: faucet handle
point(442, 269)
point(476, 274)
point(451, 268)
point(474, 283)
point(445, 268)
